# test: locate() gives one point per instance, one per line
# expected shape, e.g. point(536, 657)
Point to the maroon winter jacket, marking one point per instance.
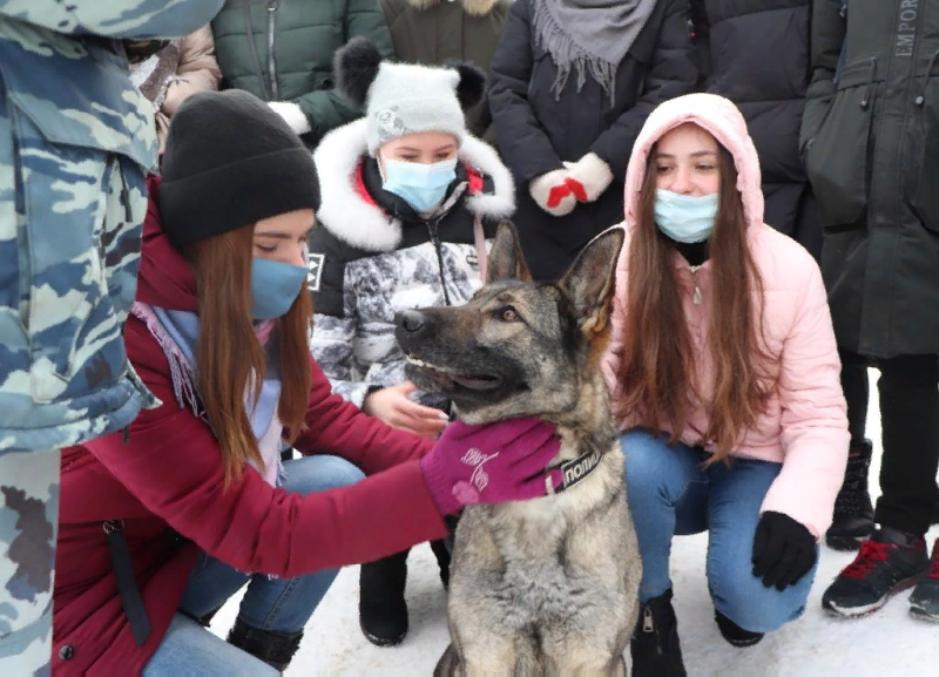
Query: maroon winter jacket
point(166, 481)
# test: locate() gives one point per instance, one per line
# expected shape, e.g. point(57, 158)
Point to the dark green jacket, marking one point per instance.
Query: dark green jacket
point(289, 56)
point(434, 32)
point(870, 141)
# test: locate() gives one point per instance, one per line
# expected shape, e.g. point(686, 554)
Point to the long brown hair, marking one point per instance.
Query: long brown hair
point(657, 371)
point(229, 356)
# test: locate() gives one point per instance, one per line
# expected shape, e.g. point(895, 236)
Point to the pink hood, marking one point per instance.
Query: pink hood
point(805, 425)
point(723, 120)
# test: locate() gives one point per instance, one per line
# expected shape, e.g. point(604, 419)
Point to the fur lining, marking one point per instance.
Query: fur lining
point(343, 212)
point(474, 7)
point(356, 67)
point(500, 204)
point(472, 87)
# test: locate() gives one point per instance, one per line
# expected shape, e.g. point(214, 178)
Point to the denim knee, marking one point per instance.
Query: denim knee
point(743, 598)
point(655, 469)
point(319, 473)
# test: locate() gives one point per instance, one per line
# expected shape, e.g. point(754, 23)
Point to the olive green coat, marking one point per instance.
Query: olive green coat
point(289, 56)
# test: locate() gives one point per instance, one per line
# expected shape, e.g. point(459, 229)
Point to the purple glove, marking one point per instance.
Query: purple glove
point(492, 463)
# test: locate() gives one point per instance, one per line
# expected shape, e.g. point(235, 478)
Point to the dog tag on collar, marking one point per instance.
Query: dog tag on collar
point(575, 470)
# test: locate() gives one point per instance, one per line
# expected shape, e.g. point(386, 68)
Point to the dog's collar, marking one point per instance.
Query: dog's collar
point(572, 471)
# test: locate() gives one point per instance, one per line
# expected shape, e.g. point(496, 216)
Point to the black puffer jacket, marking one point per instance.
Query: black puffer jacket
point(870, 139)
point(756, 54)
point(535, 132)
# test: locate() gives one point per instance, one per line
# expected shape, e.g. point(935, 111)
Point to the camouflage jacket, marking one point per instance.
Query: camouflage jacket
point(76, 140)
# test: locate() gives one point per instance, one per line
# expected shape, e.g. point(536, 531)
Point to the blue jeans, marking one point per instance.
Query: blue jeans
point(282, 605)
point(670, 493)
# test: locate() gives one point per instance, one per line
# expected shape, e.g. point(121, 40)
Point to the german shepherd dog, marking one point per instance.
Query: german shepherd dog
point(547, 586)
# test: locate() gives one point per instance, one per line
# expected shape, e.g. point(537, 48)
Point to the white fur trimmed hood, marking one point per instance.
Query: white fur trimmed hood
point(346, 215)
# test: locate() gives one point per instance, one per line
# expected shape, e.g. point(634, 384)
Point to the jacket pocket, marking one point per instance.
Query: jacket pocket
point(81, 205)
point(836, 147)
point(922, 149)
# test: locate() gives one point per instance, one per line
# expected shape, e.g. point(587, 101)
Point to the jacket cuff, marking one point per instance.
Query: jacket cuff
point(353, 391)
point(292, 114)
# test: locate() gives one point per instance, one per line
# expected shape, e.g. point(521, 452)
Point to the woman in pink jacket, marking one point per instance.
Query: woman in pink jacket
point(724, 373)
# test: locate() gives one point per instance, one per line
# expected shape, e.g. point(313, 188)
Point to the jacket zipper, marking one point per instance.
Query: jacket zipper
point(433, 227)
point(272, 6)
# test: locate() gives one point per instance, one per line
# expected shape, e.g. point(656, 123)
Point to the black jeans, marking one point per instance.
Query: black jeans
point(909, 409)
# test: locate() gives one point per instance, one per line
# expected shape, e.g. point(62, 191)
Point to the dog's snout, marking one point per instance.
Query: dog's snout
point(411, 321)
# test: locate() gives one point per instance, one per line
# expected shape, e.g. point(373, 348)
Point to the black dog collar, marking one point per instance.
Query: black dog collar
point(572, 471)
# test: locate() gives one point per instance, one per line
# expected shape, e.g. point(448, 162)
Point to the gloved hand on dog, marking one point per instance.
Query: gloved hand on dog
point(783, 550)
point(493, 463)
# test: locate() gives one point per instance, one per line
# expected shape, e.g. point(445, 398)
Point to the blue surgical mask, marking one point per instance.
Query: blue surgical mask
point(421, 185)
point(274, 287)
point(685, 218)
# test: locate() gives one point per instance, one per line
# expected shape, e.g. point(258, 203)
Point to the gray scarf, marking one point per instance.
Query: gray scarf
point(588, 35)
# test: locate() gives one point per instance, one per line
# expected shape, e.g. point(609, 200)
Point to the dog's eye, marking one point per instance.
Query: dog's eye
point(508, 314)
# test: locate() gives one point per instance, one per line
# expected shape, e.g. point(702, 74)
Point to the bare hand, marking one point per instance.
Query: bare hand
point(392, 406)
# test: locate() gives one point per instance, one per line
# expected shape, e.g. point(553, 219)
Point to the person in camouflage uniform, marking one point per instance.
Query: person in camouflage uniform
point(76, 139)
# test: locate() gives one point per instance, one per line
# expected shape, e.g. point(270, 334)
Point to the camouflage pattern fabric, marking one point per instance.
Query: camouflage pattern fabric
point(76, 139)
point(29, 507)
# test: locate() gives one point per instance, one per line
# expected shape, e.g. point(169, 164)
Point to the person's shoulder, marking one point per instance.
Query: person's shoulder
point(783, 262)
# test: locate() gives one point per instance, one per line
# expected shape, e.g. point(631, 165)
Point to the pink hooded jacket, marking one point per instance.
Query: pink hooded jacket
point(805, 425)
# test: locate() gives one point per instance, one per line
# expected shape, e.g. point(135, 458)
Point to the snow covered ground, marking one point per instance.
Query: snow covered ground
point(887, 644)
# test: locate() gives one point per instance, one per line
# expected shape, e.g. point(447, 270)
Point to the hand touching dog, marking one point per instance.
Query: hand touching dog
point(493, 463)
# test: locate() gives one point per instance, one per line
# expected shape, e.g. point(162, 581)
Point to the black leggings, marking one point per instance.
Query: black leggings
point(909, 409)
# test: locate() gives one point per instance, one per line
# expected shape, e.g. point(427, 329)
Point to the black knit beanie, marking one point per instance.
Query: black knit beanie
point(229, 162)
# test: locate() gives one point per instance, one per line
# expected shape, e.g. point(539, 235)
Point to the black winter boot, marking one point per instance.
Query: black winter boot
point(935, 509)
point(383, 613)
point(655, 649)
point(441, 550)
point(274, 648)
point(853, 520)
point(734, 634)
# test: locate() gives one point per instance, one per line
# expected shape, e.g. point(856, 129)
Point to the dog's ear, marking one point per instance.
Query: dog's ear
point(590, 281)
point(506, 261)
point(355, 67)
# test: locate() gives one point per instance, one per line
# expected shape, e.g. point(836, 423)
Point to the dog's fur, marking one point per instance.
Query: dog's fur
point(547, 586)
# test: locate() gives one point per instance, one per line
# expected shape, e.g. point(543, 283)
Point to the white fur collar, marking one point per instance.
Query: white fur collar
point(474, 7)
point(346, 215)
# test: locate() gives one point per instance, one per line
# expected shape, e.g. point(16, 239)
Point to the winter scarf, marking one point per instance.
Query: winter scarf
point(176, 331)
point(588, 35)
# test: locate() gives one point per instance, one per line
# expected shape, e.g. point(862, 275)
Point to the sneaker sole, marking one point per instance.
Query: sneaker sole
point(862, 611)
point(845, 543)
point(921, 614)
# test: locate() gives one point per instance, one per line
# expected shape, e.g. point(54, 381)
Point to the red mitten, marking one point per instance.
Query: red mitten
point(551, 192)
point(588, 177)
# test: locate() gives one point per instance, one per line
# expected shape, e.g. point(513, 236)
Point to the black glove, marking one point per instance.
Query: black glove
point(783, 550)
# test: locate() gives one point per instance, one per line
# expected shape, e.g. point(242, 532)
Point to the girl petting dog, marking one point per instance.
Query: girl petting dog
point(162, 523)
point(724, 374)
